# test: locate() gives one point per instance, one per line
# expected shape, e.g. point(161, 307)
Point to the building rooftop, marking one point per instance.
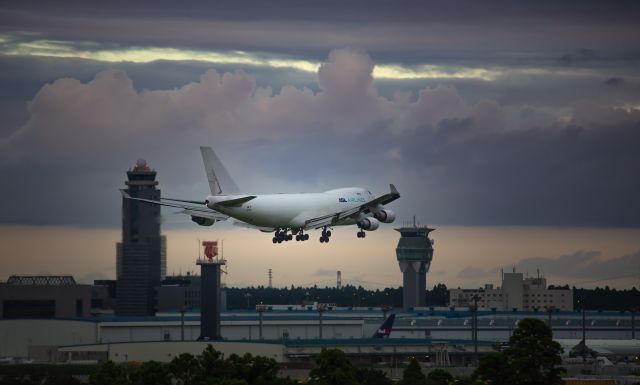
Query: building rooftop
point(41, 280)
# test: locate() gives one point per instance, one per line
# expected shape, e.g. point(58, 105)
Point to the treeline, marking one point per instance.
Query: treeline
point(349, 295)
point(606, 299)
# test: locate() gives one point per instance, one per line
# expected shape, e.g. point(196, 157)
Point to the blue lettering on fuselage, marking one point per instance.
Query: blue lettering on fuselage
point(345, 200)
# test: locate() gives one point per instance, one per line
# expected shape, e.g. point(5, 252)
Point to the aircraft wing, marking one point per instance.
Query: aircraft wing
point(186, 206)
point(330, 219)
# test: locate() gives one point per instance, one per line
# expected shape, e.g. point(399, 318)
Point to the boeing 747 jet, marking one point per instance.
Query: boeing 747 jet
point(286, 215)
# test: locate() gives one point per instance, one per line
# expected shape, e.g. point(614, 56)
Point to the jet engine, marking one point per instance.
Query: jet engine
point(369, 224)
point(386, 216)
point(203, 221)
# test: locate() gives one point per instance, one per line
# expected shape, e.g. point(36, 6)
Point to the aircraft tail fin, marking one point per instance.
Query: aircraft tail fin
point(385, 329)
point(220, 182)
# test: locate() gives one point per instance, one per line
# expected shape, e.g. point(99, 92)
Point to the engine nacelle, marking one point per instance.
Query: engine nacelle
point(203, 221)
point(369, 224)
point(386, 216)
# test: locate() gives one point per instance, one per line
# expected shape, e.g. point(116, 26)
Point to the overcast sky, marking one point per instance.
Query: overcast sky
point(481, 113)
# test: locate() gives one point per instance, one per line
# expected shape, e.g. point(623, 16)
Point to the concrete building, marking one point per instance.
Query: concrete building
point(516, 293)
point(140, 256)
point(414, 253)
point(44, 297)
point(422, 330)
point(177, 292)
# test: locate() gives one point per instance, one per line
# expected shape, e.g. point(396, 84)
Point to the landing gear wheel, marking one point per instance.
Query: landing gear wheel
point(328, 234)
point(289, 237)
point(275, 240)
point(297, 238)
point(306, 237)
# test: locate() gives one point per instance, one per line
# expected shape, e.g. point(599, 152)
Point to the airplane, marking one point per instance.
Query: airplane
point(605, 347)
point(385, 329)
point(286, 215)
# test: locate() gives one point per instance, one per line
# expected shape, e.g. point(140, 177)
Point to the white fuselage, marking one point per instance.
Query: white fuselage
point(293, 210)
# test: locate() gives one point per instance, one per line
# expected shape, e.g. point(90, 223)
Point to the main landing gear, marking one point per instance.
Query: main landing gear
point(326, 234)
point(361, 234)
point(282, 235)
point(302, 237)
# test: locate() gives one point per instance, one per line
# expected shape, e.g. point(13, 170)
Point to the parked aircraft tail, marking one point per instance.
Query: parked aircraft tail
point(220, 182)
point(385, 329)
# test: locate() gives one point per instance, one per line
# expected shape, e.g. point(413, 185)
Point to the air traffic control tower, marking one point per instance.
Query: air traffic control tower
point(141, 256)
point(414, 253)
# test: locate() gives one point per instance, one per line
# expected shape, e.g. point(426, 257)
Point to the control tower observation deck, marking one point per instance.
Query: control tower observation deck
point(414, 253)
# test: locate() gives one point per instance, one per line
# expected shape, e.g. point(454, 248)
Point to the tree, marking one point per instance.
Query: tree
point(532, 358)
point(413, 375)
point(108, 373)
point(439, 377)
point(367, 376)
point(184, 369)
point(495, 367)
point(534, 355)
point(151, 373)
point(333, 368)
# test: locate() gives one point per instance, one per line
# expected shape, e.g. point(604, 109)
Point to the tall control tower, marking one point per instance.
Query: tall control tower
point(141, 256)
point(414, 253)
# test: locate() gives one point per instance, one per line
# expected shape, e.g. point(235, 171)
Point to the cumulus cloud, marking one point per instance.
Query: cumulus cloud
point(477, 161)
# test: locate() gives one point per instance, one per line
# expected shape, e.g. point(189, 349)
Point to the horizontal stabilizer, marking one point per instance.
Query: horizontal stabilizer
point(202, 214)
point(235, 202)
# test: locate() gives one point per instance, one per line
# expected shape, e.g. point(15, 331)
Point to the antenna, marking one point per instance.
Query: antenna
point(270, 279)
point(414, 221)
point(339, 280)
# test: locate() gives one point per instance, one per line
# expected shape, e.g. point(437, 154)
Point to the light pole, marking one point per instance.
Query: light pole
point(474, 326)
point(183, 309)
point(261, 309)
point(633, 323)
point(248, 297)
point(550, 310)
point(321, 309)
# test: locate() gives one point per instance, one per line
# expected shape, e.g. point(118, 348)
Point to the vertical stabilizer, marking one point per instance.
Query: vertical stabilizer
point(220, 182)
point(385, 329)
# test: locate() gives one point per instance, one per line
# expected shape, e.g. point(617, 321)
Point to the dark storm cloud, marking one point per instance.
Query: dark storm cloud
point(584, 264)
point(614, 82)
point(406, 31)
point(455, 161)
point(325, 273)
